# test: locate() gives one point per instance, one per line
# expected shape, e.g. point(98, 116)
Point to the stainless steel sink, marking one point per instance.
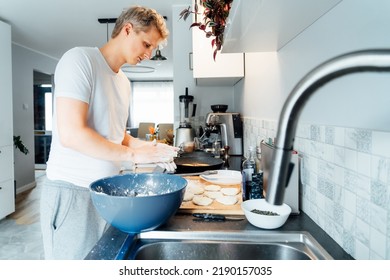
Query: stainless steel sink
point(243, 245)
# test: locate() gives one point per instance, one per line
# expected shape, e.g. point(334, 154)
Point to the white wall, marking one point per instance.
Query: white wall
point(24, 62)
point(351, 25)
point(204, 96)
point(346, 155)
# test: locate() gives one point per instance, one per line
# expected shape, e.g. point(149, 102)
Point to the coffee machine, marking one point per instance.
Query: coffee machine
point(228, 128)
point(185, 132)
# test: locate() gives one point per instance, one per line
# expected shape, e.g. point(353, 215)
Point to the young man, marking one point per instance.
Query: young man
point(89, 138)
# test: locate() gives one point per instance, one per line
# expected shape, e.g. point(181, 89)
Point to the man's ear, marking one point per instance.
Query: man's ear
point(128, 28)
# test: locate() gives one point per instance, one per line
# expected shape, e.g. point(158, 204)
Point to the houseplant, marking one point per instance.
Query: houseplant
point(18, 143)
point(211, 21)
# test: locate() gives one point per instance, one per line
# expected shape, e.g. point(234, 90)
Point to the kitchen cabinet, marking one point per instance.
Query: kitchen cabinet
point(7, 191)
point(268, 25)
point(226, 70)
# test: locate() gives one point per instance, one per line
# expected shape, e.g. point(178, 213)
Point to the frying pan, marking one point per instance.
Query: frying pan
point(134, 203)
point(193, 164)
point(197, 153)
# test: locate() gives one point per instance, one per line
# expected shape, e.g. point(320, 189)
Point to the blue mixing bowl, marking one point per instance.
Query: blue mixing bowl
point(138, 202)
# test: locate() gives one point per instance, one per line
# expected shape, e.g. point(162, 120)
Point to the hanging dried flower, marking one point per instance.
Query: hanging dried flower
point(212, 21)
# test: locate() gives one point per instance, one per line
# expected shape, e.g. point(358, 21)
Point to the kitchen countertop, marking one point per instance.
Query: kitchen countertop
point(109, 246)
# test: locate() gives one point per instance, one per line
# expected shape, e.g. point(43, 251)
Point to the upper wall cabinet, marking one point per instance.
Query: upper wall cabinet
point(7, 196)
point(226, 70)
point(268, 25)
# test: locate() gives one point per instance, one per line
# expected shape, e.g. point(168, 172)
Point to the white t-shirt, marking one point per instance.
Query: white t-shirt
point(83, 74)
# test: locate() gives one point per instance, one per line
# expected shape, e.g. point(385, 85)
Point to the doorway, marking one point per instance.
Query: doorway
point(43, 111)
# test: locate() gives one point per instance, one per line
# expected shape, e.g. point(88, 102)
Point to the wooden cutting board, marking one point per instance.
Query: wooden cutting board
point(215, 207)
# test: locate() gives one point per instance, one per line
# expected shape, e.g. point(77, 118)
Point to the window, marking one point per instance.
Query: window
point(151, 102)
point(49, 111)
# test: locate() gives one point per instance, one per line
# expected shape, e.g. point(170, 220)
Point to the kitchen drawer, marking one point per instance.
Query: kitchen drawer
point(6, 163)
point(7, 198)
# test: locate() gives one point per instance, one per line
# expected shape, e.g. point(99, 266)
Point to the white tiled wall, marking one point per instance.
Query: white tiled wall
point(345, 182)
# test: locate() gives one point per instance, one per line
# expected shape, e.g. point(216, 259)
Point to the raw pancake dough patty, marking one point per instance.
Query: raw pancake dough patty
point(227, 200)
point(212, 188)
point(188, 196)
point(202, 200)
point(194, 187)
point(213, 195)
point(229, 191)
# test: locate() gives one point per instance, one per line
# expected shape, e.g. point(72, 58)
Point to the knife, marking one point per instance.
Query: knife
point(208, 172)
point(216, 217)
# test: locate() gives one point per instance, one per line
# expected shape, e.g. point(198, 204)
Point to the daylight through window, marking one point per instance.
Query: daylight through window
point(151, 102)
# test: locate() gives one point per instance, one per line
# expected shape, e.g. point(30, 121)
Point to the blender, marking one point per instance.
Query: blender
point(185, 132)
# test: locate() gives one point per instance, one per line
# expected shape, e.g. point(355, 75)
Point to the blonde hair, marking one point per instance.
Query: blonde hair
point(142, 19)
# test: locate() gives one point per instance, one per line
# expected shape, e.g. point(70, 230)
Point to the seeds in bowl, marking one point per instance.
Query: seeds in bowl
point(263, 212)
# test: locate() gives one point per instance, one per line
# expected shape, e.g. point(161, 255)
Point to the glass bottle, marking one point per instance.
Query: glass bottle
point(248, 169)
point(256, 190)
point(258, 159)
point(249, 165)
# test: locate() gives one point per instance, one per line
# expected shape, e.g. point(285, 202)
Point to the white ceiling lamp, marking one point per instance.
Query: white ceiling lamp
point(127, 68)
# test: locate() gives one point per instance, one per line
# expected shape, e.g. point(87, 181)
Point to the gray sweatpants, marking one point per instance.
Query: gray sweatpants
point(70, 224)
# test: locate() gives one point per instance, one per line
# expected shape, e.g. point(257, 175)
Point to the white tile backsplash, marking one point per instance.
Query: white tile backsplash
point(380, 143)
point(345, 175)
point(362, 251)
point(378, 218)
point(329, 135)
point(349, 201)
point(380, 168)
point(362, 232)
point(339, 136)
point(351, 159)
point(378, 244)
point(364, 163)
point(363, 209)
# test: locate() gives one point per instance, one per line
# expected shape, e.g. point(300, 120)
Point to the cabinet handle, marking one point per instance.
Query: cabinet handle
point(190, 61)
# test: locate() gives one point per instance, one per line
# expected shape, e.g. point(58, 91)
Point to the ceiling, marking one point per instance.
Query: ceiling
point(53, 27)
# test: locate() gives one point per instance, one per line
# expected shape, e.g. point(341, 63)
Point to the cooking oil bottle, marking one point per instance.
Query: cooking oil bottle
point(248, 169)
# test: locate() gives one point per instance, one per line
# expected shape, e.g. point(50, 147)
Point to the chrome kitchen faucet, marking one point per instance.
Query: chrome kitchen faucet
point(354, 62)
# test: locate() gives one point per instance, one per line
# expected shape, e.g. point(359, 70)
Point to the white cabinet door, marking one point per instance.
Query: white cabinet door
point(6, 163)
point(7, 200)
point(6, 134)
point(226, 69)
point(7, 191)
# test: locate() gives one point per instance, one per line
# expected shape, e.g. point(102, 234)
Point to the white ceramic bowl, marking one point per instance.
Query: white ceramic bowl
point(265, 221)
point(223, 177)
